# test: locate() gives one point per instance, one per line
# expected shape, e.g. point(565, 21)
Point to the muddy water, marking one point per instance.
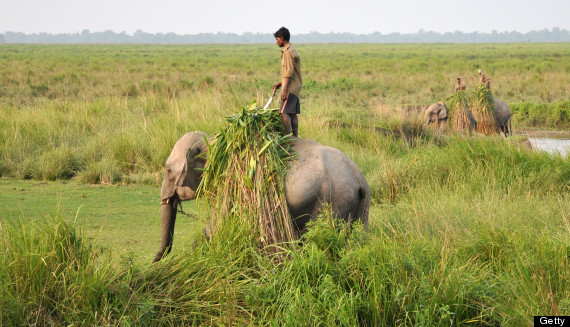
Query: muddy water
point(551, 142)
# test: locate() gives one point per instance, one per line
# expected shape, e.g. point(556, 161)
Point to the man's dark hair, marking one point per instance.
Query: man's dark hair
point(282, 32)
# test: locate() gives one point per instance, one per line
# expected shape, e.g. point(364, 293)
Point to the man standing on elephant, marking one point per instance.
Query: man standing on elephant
point(460, 86)
point(483, 79)
point(291, 81)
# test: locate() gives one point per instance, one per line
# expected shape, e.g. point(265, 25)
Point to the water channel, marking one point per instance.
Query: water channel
point(551, 142)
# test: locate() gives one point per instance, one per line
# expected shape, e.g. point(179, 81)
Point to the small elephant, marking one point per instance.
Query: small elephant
point(437, 112)
point(502, 115)
point(317, 175)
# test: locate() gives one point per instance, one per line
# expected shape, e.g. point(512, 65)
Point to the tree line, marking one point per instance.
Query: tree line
point(555, 34)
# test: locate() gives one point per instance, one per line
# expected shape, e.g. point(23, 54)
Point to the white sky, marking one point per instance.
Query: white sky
point(300, 16)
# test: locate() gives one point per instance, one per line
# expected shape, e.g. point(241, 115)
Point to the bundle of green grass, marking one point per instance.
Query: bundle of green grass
point(480, 101)
point(243, 179)
point(482, 106)
point(457, 107)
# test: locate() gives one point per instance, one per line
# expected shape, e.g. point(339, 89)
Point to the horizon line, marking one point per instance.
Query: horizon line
point(420, 31)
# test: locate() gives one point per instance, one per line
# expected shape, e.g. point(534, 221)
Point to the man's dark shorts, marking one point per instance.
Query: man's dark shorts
point(292, 105)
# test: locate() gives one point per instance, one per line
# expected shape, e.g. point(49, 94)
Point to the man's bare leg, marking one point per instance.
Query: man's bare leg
point(287, 123)
point(295, 125)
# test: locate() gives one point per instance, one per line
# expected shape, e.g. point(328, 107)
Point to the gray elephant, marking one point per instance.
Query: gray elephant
point(437, 112)
point(502, 115)
point(319, 174)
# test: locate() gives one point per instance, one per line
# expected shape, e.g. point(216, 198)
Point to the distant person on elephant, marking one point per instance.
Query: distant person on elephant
point(460, 86)
point(291, 81)
point(483, 79)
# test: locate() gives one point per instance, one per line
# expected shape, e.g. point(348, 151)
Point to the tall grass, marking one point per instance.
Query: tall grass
point(51, 276)
point(111, 114)
point(431, 260)
point(462, 230)
point(547, 115)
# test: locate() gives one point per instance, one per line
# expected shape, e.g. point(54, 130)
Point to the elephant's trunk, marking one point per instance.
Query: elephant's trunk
point(442, 123)
point(168, 221)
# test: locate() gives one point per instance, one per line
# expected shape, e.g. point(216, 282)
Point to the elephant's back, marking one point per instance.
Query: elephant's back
point(184, 143)
point(501, 106)
point(322, 173)
point(501, 110)
point(303, 173)
point(313, 158)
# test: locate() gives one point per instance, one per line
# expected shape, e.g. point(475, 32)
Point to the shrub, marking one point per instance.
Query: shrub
point(105, 171)
point(59, 163)
point(546, 115)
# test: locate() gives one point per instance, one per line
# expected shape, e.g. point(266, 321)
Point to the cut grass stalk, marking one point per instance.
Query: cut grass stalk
point(458, 108)
point(483, 107)
point(243, 177)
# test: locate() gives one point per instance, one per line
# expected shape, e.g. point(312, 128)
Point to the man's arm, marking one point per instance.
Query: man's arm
point(285, 92)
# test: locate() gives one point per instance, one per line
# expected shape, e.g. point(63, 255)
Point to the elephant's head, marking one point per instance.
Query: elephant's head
point(182, 176)
point(437, 112)
point(183, 169)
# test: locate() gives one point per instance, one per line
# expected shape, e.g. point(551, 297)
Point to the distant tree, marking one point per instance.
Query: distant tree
point(422, 36)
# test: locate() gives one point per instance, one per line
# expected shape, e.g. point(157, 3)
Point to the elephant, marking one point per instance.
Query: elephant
point(502, 115)
point(316, 176)
point(437, 112)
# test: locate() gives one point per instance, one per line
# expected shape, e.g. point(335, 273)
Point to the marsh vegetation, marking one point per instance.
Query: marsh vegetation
point(462, 230)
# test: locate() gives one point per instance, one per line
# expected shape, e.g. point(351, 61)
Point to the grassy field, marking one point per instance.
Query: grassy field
point(463, 230)
point(124, 220)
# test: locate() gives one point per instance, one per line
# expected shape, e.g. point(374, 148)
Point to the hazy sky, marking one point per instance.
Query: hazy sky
point(300, 16)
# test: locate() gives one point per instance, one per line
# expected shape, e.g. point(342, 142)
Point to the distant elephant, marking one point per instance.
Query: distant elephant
point(317, 175)
point(502, 115)
point(437, 112)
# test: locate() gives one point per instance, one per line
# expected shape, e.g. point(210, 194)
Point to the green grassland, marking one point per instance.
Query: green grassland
point(471, 231)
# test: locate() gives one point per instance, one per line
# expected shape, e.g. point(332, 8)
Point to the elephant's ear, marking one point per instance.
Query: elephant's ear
point(182, 175)
point(443, 112)
point(201, 154)
point(173, 171)
point(196, 155)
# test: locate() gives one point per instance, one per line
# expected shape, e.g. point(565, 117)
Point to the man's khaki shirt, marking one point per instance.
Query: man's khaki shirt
point(291, 68)
point(460, 87)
